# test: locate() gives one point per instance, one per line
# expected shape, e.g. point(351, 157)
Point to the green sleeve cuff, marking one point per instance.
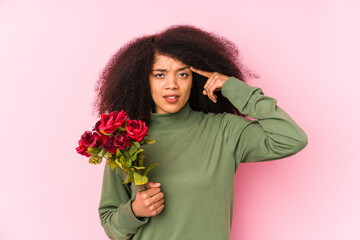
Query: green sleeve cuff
point(238, 92)
point(128, 220)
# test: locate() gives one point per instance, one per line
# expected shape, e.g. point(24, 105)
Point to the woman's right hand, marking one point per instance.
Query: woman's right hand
point(148, 203)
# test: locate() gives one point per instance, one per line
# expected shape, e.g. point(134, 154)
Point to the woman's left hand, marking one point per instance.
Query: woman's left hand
point(213, 84)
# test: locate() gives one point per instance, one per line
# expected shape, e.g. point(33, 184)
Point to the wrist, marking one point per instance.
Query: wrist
point(133, 209)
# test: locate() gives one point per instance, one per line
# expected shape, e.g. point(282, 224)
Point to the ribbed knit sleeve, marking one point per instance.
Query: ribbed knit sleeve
point(273, 135)
point(117, 218)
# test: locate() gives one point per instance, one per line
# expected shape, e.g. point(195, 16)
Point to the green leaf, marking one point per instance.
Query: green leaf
point(135, 155)
point(141, 157)
point(130, 179)
point(126, 154)
point(127, 161)
point(118, 162)
point(118, 152)
point(107, 155)
point(137, 144)
point(140, 179)
point(107, 134)
point(93, 151)
point(147, 141)
point(95, 160)
point(102, 153)
point(150, 167)
point(136, 167)
point(121, 160)
point(130, 172)
point(112, 163)
point(132, 149)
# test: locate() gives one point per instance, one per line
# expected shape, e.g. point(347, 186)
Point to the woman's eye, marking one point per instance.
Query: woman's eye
point(159, 75)
point(183, 74)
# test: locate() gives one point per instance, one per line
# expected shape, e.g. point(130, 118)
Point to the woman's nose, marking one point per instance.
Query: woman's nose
point(172, 82)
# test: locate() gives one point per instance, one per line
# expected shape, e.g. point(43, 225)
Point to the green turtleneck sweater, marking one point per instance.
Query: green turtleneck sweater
point(198, 155)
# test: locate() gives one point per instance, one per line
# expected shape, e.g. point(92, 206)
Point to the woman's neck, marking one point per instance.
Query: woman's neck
point(170, 121)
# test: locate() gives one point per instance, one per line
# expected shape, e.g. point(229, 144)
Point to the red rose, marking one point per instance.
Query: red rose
point(136, 129)
point(122, 140)
point(82, 148)
point(108, 144)
point(109, 123)
point(91, 139)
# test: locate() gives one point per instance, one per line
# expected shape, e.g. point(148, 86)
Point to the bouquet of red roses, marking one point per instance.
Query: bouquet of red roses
point(118, 139)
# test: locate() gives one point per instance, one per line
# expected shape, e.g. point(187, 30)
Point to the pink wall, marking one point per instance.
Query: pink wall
point(306, 52)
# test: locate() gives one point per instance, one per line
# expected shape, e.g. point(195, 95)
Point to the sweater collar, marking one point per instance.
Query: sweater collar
point(168, 121)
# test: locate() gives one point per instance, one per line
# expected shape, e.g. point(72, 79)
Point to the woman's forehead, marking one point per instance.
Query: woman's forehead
point(166, 62)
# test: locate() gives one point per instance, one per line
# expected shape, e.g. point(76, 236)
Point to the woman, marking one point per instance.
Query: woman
point(188, 86)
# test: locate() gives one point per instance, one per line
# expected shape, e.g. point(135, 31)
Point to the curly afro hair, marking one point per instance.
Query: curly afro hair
point(124, 82)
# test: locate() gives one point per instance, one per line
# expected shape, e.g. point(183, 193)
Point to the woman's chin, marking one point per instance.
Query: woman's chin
point(171, 108)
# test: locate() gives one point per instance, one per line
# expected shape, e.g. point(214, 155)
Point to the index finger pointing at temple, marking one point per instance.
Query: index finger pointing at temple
point(201, 72)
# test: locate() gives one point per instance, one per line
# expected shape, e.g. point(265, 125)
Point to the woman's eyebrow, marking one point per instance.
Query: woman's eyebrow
point(183, 68)
point(160, 70)
point(164, 70)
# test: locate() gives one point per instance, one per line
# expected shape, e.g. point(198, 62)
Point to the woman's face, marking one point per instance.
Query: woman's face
point(170, 84)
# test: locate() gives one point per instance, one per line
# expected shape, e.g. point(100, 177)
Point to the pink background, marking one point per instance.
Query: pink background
point(306, 52)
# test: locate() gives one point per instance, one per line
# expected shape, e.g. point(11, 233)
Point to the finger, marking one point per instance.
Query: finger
point(158, 204)
point(208, 88)
point(152, 184)
point(201, 72)
point(212, 89)
point(159, 210)
point(150, 192)
point(211, 78)
point(157, 197)
point(208, 82)
point(215, 85)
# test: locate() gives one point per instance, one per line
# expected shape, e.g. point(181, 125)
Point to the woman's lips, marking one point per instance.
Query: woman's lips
point(171, 98)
